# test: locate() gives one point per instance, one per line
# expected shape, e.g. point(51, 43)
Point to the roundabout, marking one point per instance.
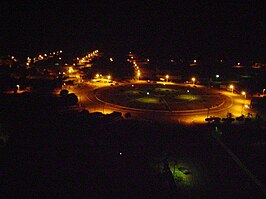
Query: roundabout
point(161, 98)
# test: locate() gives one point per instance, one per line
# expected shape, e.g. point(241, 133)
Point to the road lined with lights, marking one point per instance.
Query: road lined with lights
point(234, 104)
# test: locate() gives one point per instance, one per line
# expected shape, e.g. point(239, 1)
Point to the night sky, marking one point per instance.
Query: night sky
point(185, 28)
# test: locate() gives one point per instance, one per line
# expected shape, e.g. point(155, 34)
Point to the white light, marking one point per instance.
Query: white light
point(217, 76)
point(120, 153)
point(148, 93)
point(132, 85)
point(187, 91)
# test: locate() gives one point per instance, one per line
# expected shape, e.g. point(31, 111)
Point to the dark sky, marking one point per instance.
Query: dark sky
point(187, 28)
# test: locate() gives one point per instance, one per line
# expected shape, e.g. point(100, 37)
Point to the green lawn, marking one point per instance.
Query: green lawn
point(160, 97)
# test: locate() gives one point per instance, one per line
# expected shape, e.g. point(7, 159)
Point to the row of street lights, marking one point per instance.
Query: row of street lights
point(100, 76)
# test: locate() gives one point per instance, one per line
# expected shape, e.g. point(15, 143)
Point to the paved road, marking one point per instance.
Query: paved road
point(233, 103)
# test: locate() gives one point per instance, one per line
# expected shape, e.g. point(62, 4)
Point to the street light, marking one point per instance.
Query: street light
point(167, 77)
point(138, 75)
point(244, 105)
point(232, 87)
point(193, 80)
point(109, 77)
point(244, 93)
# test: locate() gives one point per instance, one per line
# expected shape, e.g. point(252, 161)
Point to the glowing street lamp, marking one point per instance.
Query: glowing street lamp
point(245, 94)
point(138, 75)
point(193, 80)
point(18, 87)
point(167, 77)
point(232, 87)
point(70, 70)
point(244, 105)
point(109, 77)
point(97, 76)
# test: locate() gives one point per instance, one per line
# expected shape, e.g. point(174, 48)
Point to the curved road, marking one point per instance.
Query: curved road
point(234, 104)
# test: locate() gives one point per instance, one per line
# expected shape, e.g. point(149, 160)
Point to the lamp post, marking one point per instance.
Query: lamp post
point(244, 94)
point(18, 88)
point(193, 80)
point(167, 77)
point(232, 87)
point(138, 75)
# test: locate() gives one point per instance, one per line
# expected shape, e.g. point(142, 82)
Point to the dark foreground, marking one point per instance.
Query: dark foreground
point(60, 153)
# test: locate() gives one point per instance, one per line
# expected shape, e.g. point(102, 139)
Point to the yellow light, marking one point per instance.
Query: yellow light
point(109, 77)
point(167, 76)
point(97, 75)
point(70, 70)
point(193, 79)
point(231, 86)
point(243, 93)
point(111, 59)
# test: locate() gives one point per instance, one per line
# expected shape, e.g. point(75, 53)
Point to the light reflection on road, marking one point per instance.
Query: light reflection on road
point(87, 100)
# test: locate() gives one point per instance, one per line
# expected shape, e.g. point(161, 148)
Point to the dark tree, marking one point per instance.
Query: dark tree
point(64, 93)
point(71, 99)
point(128, 115)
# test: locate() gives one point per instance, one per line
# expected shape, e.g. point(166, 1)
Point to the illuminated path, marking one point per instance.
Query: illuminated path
point(233, 104)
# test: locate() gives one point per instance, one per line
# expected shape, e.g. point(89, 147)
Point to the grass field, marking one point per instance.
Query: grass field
point(160, 97)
